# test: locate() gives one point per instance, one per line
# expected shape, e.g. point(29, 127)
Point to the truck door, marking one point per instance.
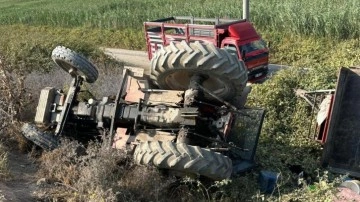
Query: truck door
point(233, 49)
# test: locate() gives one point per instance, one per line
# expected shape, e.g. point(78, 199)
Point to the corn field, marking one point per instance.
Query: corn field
point(322, 18)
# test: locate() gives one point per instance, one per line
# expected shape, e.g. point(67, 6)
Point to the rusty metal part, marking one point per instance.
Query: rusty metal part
point(117, 99)
point(183, 136)
point(133, 94)
point(123, 140)
point(164, 116)
point(220, 142)
point(232, 107)
point(193, 92)
point(71, 97)
point(311, 96)
point(168, 97)
point(223, 124)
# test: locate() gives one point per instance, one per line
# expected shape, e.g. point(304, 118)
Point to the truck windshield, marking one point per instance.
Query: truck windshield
point(252, 46)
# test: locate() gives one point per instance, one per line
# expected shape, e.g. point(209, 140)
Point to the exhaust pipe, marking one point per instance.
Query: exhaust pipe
point(246, 7)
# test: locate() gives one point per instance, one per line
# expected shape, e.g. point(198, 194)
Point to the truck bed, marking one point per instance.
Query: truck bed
point(161, 32)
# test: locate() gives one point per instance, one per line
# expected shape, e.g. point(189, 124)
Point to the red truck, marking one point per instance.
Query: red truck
point(239, 37)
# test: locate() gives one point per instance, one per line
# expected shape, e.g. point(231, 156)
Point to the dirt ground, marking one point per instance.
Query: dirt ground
point(22, 182)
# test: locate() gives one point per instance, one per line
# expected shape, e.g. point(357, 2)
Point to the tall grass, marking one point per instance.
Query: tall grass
point(28, 48)
point(332, 18)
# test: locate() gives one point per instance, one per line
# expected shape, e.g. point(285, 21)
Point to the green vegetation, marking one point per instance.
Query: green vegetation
point(29, 47)
point(314, 37)
point(320, 18)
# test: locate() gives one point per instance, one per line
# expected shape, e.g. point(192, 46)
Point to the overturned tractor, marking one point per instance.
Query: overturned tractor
point(194, 122)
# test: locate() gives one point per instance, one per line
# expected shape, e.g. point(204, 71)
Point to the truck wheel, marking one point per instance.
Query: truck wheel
point(184, 158)
point(74, 63)
point(174, 65)
point(44, 140)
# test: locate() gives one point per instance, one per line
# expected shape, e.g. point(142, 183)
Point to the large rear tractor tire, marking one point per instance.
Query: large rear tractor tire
point(184, 159)
point(74, 63)
point(174, 65)
point(45, 140)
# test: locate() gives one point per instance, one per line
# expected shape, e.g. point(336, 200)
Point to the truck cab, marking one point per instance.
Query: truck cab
point(244, 42)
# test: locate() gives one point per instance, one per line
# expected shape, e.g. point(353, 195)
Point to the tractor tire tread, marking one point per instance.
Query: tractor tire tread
point(184, 158)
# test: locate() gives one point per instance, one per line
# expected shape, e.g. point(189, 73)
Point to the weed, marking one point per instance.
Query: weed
point(4, 171)
point(323, 189)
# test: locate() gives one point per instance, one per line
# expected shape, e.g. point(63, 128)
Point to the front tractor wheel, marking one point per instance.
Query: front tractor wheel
point(184, 158)
point(75, 64)
point(45, 140)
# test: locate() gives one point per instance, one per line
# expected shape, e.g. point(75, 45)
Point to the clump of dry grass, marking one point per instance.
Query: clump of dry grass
point(4, 171)
point(13, 99)
point(97, 173)
point(11, 104)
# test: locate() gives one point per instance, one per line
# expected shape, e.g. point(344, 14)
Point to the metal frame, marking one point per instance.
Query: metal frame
point(71, 97)
point(115, 112)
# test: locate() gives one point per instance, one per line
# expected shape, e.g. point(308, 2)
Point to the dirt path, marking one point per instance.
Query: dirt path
point(130, 57)
point(140, 59)
point(23, 181)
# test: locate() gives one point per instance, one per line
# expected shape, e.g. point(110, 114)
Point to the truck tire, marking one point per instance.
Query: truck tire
point(173, 66)
point(184, 158)
point(74, 63)
point(45, 140)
